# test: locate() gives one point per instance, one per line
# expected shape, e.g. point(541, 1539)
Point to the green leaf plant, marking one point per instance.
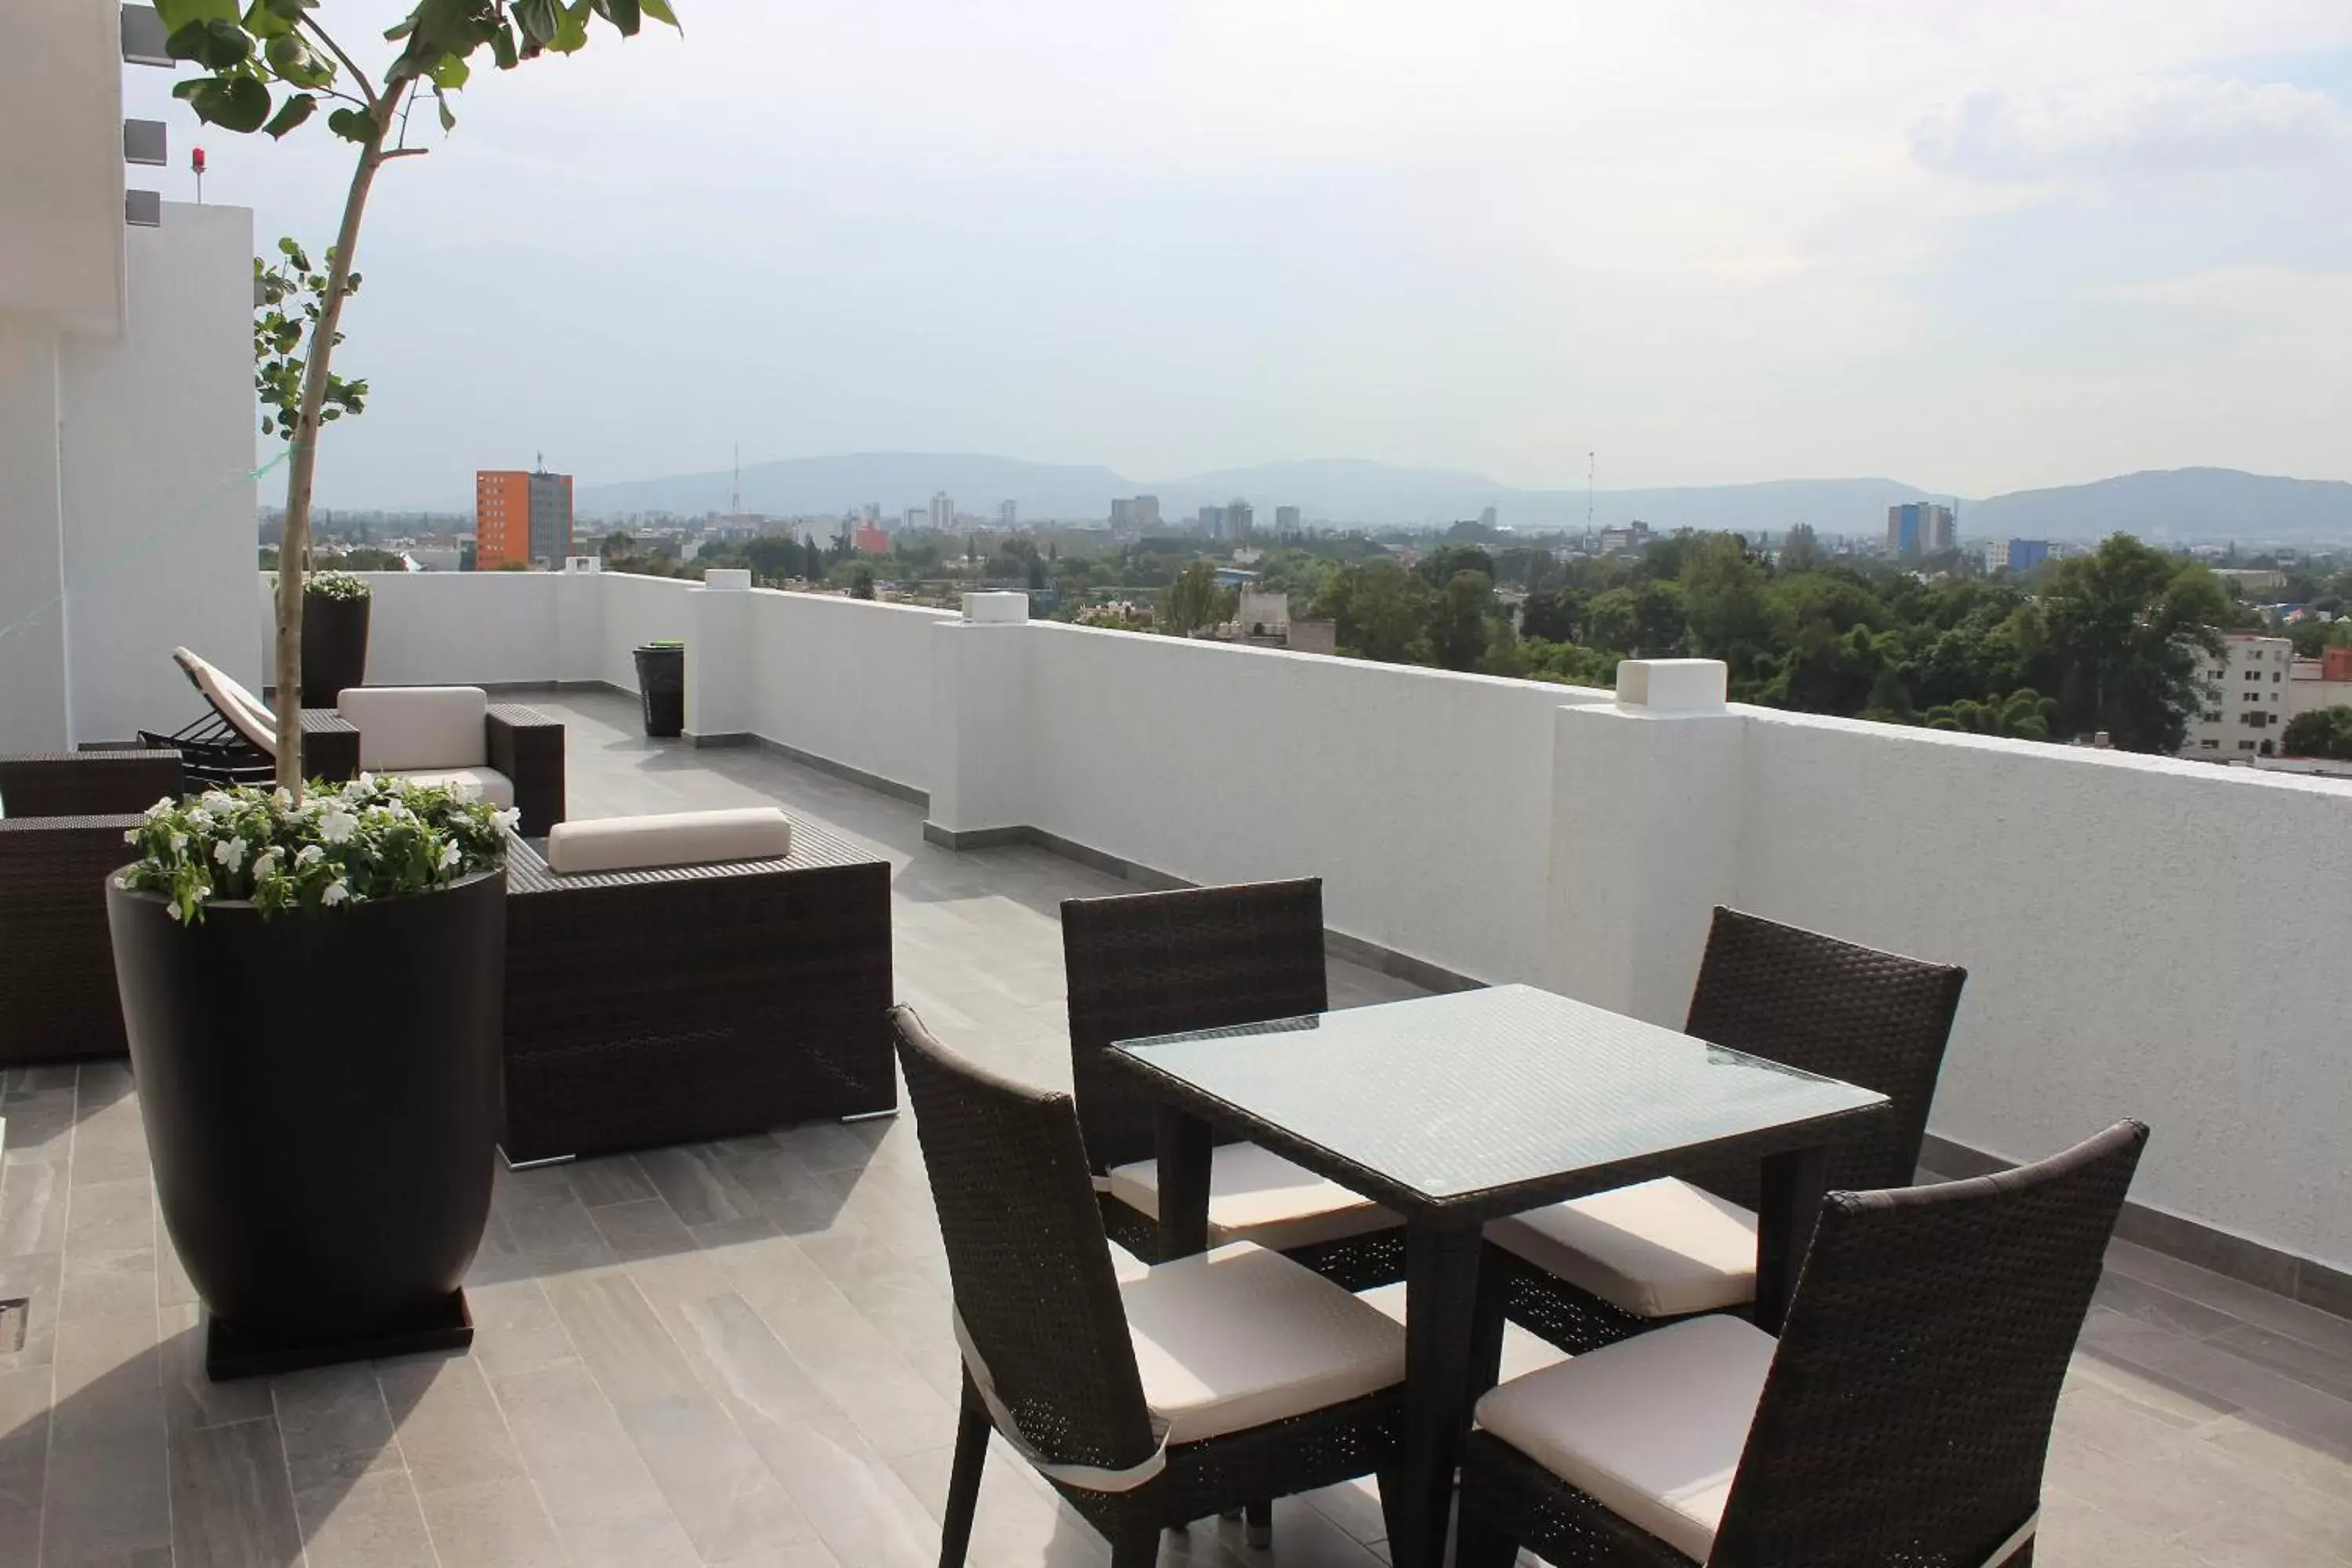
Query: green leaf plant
point(268, 67)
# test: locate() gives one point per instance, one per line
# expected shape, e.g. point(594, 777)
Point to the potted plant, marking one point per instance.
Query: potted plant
point(334, 635)
point(661, 686)
point(314, 995)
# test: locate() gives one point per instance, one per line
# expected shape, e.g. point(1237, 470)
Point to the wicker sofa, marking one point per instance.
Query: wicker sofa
point(687, 1002)
point(62, 835)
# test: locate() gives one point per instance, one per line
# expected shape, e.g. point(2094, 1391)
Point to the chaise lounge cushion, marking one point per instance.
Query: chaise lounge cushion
point(232, 702)
point(404, 728)
point(680, 838)
point(1651, 1427)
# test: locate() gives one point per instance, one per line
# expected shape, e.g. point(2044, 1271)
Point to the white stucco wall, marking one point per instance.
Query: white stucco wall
point(636, 610)
point(33, 684)
point(157, 443)
point(847, 680)
point(508, 620)
point(2144, 937)
point(1423, 798)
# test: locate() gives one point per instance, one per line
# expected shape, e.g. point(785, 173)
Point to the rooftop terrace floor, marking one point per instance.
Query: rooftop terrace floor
point(740, 1352)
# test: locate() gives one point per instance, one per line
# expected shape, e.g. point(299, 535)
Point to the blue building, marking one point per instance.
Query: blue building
point(1919, 527)
point(2025, 554)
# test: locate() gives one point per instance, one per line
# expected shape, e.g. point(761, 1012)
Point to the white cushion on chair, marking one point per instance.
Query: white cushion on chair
point(406, 727)
point(1241, 1336)
point(680, 838)
point(1656, 1249)
point(244, 710)
point(490, 787)
point(1256, 1194)
point(1651, 1427)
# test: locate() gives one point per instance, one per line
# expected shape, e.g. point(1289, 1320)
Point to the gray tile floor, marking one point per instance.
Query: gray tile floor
point(739, 1353)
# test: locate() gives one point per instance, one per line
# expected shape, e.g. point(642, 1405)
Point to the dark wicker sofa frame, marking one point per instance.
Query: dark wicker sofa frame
point(1906, 1417)
point(1195, 958)
point(691, 1003)
point(1033, 1285)
point(1806, 1001)
point(61, 838)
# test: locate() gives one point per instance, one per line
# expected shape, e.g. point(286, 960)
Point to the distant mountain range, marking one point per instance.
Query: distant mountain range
point(2177, 504)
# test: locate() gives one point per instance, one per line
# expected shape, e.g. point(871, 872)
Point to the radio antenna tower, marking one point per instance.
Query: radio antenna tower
point(735, 494)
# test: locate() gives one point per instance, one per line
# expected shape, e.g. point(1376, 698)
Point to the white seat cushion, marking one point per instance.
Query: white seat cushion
point(1651, 1427)
point(680, 838)
point(490, 787)
point(1257, 1195)
point(1656, 1249)
point(1125, 1266)
point(405, 727)
point(1240, 1336)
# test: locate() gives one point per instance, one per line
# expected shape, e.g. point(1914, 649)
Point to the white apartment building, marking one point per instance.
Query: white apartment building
point(2246, 703)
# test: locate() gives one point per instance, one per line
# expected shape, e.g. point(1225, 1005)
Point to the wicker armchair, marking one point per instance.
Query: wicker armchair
point(60, 837)
point(1203, 958)
point(1903, 1416)
point(1591, 1271)
point(688, 1003)
point(1127, 1394)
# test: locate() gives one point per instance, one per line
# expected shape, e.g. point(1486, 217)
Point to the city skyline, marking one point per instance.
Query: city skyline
point(1993, 252)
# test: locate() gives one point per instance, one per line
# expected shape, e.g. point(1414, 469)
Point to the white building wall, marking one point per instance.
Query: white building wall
point(32, 685)
point(848, 680)
point(156, 479)
point(2248, 702)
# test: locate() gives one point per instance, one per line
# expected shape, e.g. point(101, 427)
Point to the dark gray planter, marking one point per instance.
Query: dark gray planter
point(334, 646)
point(661, 687)
point(321, 1095)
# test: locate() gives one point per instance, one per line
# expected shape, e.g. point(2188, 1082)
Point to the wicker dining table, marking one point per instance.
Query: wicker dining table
point(1459, 1108)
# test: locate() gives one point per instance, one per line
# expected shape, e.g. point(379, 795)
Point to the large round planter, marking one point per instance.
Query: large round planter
point(334, 646)
point(661, 686)
point(321, 1094)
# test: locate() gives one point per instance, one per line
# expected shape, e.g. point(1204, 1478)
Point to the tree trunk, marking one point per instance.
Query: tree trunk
point(294, 549)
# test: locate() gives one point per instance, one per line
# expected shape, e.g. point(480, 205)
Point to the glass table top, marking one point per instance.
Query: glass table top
point(1463, 1093)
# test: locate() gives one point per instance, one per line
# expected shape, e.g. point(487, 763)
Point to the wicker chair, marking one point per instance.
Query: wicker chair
point(1195, 1387)
point(1203, 958)
point(1588, 1272)
point(1903, 1417)
point(61, 836)
point(687, 1002)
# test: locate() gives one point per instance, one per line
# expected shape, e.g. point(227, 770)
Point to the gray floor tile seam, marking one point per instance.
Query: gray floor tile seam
point(49, 1438)
point(546, 1513)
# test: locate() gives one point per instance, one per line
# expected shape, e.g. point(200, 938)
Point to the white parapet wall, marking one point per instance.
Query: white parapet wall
point(2145, 936)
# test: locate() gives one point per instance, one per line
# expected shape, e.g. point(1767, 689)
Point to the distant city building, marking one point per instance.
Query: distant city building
point(1285, 521)
point(2323, 682)
point(1238, 519)
point(1122, 512)
point(943, 513)
point(871, 512)
point(2245, 700)
point(1145, 513)
point(1213, 521)
point(869, 538)
point(1008, 515)
point(917, 517)
point(2025, 554)
point(1635, 535)
point(1920, 528)
point(521, 519)
point(1486, 516)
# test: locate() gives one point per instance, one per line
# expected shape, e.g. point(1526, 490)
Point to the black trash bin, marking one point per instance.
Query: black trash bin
point(661, 685)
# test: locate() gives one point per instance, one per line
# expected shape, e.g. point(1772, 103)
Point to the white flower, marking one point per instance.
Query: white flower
point(366, 780)
point(283, 796)
point(506, 817)
point(131, 836)
point(449, 856)
point(199, 817)
point(217, 800)
point(178, 842)
point(266, 862)
point(230, 852)
point(161, 808)
point(337, 825)
point(334, 893)
point(467, 790)
point(309, 855)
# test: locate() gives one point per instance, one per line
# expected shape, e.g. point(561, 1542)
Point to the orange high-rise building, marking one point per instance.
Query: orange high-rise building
point(521, 518)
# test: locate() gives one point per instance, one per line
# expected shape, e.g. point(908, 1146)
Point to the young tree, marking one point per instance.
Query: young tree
point(247, 56)
point(2322, 732)
point(2131, 630)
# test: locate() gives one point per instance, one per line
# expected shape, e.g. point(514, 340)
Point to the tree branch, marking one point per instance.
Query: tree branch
point(405, 153)
point(359, 75)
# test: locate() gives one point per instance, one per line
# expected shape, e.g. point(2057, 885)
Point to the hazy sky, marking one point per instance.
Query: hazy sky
point(1974, 247)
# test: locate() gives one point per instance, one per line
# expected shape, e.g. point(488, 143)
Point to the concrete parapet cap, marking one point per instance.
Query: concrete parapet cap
point(1673, 685)
point(995, 609)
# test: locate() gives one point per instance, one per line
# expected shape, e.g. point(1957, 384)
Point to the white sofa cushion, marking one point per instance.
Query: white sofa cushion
point(1256, 1194)
point(1651, 1427)
point(1239, 1336)
point(405, 727)
point(1656, 1249)
point(244, 710)
point(490, 787)
point(680, 838)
